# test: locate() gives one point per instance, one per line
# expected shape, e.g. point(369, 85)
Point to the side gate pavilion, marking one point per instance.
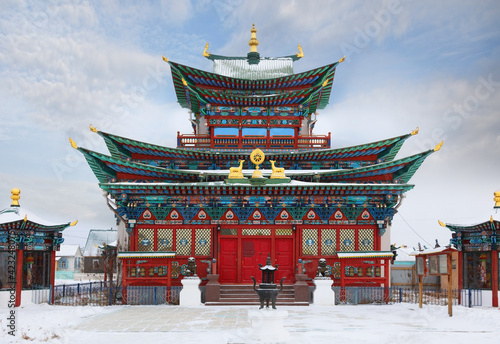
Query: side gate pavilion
point(28, 247)
point(253, 115)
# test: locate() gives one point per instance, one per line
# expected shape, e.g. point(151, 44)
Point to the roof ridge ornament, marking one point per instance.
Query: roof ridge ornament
point(300, 53)
point(441, 223)
point(415, 132)
point(205, 52)
point(165, 59)
point(496, 199)
point(92, 129)
point(15, 196)
point(73, 143)
point(438, 146)
point(342, 59)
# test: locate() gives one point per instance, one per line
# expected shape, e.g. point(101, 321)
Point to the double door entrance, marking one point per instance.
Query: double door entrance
point(240, 256)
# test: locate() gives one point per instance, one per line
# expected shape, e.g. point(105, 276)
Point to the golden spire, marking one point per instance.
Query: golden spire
point(92, 129)
point(205, 52)
point(73, 143)
point(300, 53)
point(253, 43)
point(15, 197)
point(415, 132)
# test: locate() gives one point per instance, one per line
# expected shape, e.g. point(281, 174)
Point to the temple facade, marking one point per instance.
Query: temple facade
point(253, 180)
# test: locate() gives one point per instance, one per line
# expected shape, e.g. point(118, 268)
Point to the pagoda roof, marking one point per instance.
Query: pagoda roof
point(196, 88)
point(491, 225)
point(121, 147)
point(109, 168)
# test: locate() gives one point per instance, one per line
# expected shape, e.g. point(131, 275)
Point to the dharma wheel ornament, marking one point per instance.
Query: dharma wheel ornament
point(257, 157)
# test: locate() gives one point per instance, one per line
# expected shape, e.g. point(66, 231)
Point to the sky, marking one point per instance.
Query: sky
point(427, 64)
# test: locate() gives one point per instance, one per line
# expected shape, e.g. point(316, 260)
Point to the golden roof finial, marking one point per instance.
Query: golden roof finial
point(15, 197)
point(73, 223)
point(253, 43)
point(300, 53)
point(164, 58)
point(441, 223)
point(25, 218)
point(491, 218)
point(257, 157)
point(92, 129)
point(205, 52)
point(73, 143)
point(497, 199)
point(415, 132)
point(342, 59)
point(438, 146)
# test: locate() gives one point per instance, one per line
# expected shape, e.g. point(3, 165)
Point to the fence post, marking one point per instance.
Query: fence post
point(110, 293)
point(400, 295)
point(78, 288)
point(50, 294)
point(355, 295)
point(154, 293)
point(470, 297)
point(64, 290)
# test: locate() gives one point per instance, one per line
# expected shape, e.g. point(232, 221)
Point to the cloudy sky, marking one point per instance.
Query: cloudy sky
point(428, 64)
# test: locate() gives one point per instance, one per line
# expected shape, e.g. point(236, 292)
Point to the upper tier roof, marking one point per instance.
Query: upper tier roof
point(196, 88)
point(484, 226)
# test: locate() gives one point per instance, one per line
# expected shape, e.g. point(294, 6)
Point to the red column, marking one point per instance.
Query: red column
point(494, 278)
point(52, 274)
point(19, 276)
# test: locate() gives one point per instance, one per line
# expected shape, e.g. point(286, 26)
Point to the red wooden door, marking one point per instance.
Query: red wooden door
point(228, 260)
point(284, 259)
point(254, 251)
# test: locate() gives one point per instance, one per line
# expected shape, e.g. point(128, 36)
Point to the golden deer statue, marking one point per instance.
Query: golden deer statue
point(235, 172)
point(278, 172)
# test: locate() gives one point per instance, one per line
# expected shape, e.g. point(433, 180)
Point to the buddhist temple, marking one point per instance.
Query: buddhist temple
point(252, 180)
point(28, 247)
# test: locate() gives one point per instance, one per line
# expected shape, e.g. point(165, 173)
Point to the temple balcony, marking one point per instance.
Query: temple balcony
point(253, 141)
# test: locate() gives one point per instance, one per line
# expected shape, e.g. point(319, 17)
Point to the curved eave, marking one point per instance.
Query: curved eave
point(398, 171)
point(484, 226)
point(106, 167)
point(29, 225)
point(351, 189)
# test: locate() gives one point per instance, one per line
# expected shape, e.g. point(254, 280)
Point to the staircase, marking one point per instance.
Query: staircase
point(245, 295)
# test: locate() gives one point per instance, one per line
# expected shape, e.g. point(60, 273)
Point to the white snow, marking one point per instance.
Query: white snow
point(399, 323)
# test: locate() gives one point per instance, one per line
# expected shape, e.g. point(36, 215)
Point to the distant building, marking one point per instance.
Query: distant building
point(68, 261)
point(92, 255)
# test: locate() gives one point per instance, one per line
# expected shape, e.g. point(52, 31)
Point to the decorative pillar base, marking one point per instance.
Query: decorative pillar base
point(212, 289)
point(324, 295)
point(301, 289)
point(190, 293)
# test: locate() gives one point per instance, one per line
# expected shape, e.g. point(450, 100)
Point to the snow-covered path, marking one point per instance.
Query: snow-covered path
point(401, 323)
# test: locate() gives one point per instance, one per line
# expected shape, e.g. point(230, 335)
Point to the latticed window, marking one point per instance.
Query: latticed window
point(347, 240)
point(203, 240)
point(146, 239)
point(165, 239)
point(183, 241)
point(365, 240)
point(310, 242)
point(328, 241)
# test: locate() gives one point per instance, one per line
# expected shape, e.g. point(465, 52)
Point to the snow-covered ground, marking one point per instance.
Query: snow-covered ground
point(400, 323)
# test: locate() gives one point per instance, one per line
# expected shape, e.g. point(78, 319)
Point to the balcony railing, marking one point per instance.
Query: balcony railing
point(242, 142)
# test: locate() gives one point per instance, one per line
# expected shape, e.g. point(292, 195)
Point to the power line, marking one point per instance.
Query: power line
point(414, 231)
